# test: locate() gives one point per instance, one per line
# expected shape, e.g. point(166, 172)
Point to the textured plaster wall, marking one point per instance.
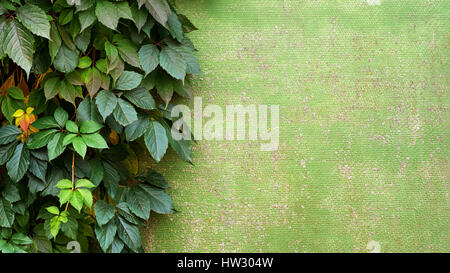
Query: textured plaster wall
point(363, 89)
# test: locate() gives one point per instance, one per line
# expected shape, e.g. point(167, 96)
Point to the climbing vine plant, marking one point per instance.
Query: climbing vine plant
point(85, 85)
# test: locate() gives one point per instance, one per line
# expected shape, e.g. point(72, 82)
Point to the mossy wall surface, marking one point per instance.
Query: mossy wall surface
point(363, 160)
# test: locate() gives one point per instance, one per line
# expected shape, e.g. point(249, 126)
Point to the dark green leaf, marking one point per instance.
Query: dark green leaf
point(124, 112)
point(35, 19)
point(106, 102)
point(9, 133)
point(18, 163)
point(128, 80)
point(156, 140)
point(103, 212)
point(160, 201)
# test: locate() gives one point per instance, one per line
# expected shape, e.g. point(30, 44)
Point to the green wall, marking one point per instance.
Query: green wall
point(364, 123)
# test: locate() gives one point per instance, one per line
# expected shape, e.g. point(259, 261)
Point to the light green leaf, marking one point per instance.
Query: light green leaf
point(156, 140)
point(95, 141)
point(71, 127)
point(77, 200)
point(35, 19)
point(64, 184)
point(84, 62)
point(90, 126)
point(55, 225)
point(65, 195)
point(87, 197)
point(79, 146)
point(53, 210)
point(84, 183)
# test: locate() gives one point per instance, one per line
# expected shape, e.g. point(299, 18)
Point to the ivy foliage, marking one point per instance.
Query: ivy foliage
point(85, 86)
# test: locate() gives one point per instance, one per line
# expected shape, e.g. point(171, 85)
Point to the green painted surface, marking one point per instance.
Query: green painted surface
point(364, 123)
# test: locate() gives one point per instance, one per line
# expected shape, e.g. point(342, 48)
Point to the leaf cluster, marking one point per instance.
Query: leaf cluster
point(85, 87)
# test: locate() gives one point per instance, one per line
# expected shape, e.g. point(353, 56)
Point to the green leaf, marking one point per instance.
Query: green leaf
point(149, 58)
point(79, 146)
point(66, 60)
point(140, 97)
point(181, 89)
point(35, 19)
point(55, 225)
point(18, 43)
point(87, 197)
point(69, 92)
point(111, 179)
point(164, 86)
point(156, 179)
point(10, 192)
point(173, 62)
point(9, 133)
point(65, 195)
point(38, 167)
point(128, 80)
point(41, 138)
point(105, 234)
point(71, 127)
point(95, 141)
point(128, 233)
point(15, 93)
point(68, 139)
point(77, 200)
point(6, 213)
point(106, 103)
point(90, 126)
point(137, 128)
point(139, 16)
point(53, 210)
point(21, 239)
point(94, 81)
point(124, 112)
point(104, 212)
point(47, 122)
point(55, 146)
point(65, 17)
point(127, 50)
point(160, 201)
point(84, 62)
point(156, 140)
point(87, 18)
point(175, 27)
point(55, 41)
point(84, 183)
point(52, 87)
point(96, 175)
point(138, 202)
point(159, 9)
point(87, 110)
point(18, 163)
point(64, 184)
point(61, 116)
point(6, 152)
point(107, 14)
